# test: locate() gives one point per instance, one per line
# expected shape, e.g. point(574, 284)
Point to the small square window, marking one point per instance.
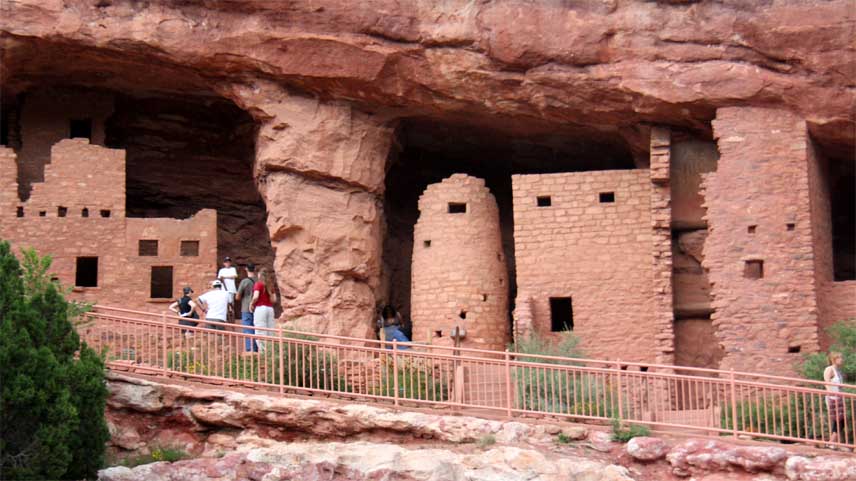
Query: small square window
point(161, 282)
point(84, 212)
point(457, 208)
point(43, 213)
point(791, 226)
point(86, 274)
point(148, 247)
point(189, 248)
point(751, 229)
point(80, 128)
point(426, 243)
point(544, 201)
point(607, 197)
point(61, 211)
point(105, 213)
point(753, 269)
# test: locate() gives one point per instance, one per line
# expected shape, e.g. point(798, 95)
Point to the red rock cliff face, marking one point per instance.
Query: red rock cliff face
point(327, 81)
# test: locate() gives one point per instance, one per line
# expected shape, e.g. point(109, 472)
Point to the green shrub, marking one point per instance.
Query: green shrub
point(622, 433)
point(563, 438)
point(555, 391)
point(414, 382)
point(486, 441)
point(169, 455)
point(51, 401)
point(843, 334)
point(794, 416)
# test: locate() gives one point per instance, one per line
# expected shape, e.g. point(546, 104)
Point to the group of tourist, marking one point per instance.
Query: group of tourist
point(256, 294)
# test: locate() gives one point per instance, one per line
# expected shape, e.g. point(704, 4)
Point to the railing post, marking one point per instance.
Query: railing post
point(620, 395)
point(395, 368)
point(281, 361)
point(508, 383)
point(163, 342)
point(733, 403)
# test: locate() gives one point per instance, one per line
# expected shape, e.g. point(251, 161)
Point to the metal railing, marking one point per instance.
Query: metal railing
point(506, 383)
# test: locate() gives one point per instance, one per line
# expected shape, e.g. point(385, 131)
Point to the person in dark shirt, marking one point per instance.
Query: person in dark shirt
point(245, 297)
point(186, 309)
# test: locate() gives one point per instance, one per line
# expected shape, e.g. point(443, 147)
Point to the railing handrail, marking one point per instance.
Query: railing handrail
point(608, 365)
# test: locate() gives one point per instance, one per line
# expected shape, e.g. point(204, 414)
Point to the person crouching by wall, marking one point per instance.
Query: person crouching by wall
point(389, 324)
point(834, 403)
point(264, 295)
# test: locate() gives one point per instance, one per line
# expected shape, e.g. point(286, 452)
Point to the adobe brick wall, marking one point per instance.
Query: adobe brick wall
point(661, 238)
point(81, 175)
point(762, 180)
point(44, 120)
point(463, 269)
point(599, 254)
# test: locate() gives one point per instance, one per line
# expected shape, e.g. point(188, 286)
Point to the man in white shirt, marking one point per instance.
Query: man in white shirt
point(215, 304)
point(227, 275)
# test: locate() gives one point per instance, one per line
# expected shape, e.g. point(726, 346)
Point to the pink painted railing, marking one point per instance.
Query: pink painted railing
point(505, 383)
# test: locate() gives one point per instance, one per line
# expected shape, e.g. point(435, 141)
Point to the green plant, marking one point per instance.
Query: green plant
point(794, 416)
point(414, 382)
point(52, 394)
point(563, 438)
point(843, 334)
point(37, 279)
point(187, 362)
point(559, 391)
point(622, 433)
point(157, 454)
point(486, 441)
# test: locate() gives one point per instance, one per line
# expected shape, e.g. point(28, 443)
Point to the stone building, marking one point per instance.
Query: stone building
point(77, 216)
point(459, 273)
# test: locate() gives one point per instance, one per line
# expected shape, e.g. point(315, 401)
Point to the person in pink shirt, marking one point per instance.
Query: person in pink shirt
point(262, 306)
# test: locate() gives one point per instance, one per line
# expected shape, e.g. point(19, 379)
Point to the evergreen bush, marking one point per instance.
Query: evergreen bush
point(51, 401)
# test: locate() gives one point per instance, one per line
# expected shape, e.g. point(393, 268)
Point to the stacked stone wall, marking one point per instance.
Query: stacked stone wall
point(84, 176)
point(758, 209)
point(598, 254)
point(459, 276)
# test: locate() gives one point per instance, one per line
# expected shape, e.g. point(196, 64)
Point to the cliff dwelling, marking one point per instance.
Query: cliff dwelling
point(709, 222)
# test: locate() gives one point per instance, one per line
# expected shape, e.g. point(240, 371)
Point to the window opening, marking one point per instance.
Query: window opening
point(544, 201)
point(561, 314)
point(189, 248)
point(457, 208)
point(20, 212)
point(84, 212)
point(463, 314)
point(86, 274)
point(753, 269)
point(607, 197)
point(148, 248)
point(61, 211)
point(105, 213)
point(751, 229)
point(794, 349)
point(43, 213)
point(161, 282)
point(78, 128)
point(790, 226)
point(426, 243)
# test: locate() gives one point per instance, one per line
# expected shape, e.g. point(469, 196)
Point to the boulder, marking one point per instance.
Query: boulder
point(822, 468)
point(644, 448)
point(699, 455)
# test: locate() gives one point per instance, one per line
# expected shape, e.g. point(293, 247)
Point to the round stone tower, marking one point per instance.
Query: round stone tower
point(459, 277)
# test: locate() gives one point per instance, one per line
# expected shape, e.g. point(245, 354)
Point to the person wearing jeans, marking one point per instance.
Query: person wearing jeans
point(244, 295)
point(262, 306)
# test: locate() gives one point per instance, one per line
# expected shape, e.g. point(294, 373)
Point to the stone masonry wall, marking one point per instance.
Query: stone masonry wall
point(661, 236)
point(45, 119)
point(84, 176)
point(758, 209)
point(599, 254)
point(459, 277)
